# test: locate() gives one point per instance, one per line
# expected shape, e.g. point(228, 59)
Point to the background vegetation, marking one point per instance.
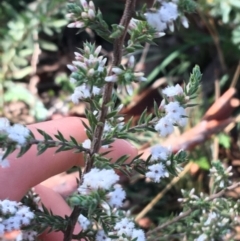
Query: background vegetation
point(36, 45)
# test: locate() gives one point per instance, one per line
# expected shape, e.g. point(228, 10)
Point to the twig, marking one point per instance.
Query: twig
point(236, 76)
point(214, 34)
point(107, 95)
point(107, 92)
point(71, 223)
point(189, 211)
point(162, 193)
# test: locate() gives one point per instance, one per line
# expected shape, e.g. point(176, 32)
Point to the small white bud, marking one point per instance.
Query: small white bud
point(84, 4)
point(87, 49)
point(117, 70)
point(72, 80)
point(91, 72)
point(159, 34)
point(86, 144)
point(131, 62)
point(139, 74)
point(71, 25)
point(71, 67)
point(91, 14)
point(79, 24)
point(171, 26)
point(92, 6)
point(69, 15)
point(84, 15)
point(184, 22)
point(168, 163)
point(98, 50)
point(111, 78)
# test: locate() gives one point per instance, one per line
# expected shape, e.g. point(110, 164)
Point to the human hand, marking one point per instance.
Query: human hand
point(30, 170)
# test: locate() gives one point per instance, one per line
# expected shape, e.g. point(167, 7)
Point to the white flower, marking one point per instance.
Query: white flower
point(202, 237)
point(168, 12)
point(160, 153)
point(98, 179)
point(83, 92)
point(29, 235)
point(84, 222)
point(211, 217)
point(125, 226)
point(164, 127)
point(171, 91)
point(176, 113)
point(154, 21)
point(86, 144)
point(18, 133)
point(157, 171)
point(2, 227)
point(4, 124)
point(116, 197)
point(96, 90)
point(101, 236)
point(3, 162)
point(139, 234)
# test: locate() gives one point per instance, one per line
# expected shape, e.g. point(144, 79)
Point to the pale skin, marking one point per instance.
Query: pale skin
point(30, 170)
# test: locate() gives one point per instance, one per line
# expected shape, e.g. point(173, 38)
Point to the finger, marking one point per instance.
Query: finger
point(50, 198)
point(29, 170)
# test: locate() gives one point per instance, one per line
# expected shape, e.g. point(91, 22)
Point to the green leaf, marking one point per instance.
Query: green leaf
point(21, 73)
point(45, 135)
point(224, 140)
point(203, 163)
point(41, 148)
point(48, 46)
point(23, 150)
point(10, 149)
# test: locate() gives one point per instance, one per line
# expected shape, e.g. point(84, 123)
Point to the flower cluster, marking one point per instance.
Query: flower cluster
point(220, 174)
point(214, 219)
point(126, 75)
point(175, 114)
point(104, 179)
point(87, 73)
point(15, 133)
point(14, 216)
point(125, 230)
point(84, 222)
point(88, 13)
point(165, 15)
point(158, 161)
point(27, 236)
point(3, 161)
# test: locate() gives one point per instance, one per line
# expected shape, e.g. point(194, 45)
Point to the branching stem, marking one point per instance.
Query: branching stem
point(107, 95)
point(189, 211)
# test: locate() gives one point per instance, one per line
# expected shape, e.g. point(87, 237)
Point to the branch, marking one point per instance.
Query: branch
point(107, 91)
point(71, 223)
point(107, 95)
point(189, 211)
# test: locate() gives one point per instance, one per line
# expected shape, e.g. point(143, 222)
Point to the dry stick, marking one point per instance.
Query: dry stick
point(214, 34)
point(107, 94)
point(185, 214)
point(236, 76)
point(162, 193)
